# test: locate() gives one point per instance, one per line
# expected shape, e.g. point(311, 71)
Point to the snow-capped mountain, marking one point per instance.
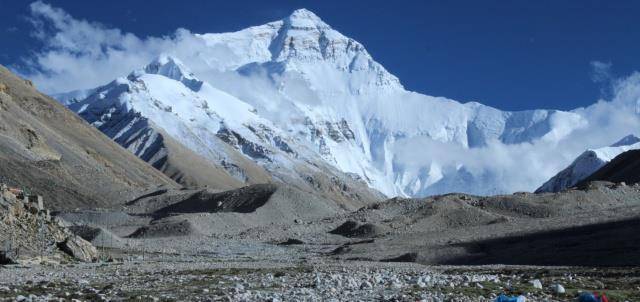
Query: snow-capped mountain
point(165, 101)
point(296, 92)
point(588, 163)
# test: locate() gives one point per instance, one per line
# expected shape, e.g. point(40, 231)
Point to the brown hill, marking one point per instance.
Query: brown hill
point(49, 150)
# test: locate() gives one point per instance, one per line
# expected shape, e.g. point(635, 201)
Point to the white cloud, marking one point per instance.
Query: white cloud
point(525, 166)
point(79, 54)
point(601, 71)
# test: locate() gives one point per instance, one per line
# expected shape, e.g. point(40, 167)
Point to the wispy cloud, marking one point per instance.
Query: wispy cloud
point(84, 54)
point(525, 166)
point(601, 71)
point(602, 75)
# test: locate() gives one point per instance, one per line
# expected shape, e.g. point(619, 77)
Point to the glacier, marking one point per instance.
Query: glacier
point(297, 92)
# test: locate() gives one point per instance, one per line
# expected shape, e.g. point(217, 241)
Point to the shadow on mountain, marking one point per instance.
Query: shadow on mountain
point(243, 200)
point(606, 244)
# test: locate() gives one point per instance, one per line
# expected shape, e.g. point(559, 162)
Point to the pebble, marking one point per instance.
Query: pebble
point(366, 284)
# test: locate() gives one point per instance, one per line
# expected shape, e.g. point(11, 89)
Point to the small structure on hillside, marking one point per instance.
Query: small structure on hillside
point(31, 201)
point(35, 201)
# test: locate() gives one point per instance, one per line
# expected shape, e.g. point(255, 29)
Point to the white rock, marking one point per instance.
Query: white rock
point(558, 289)
point(536, 283)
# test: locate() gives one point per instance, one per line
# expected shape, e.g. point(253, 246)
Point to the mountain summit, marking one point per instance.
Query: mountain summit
point(309, 105)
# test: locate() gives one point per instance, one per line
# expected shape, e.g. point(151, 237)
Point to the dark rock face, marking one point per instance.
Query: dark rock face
point(346, 130)
point(291, 241)
point(247, 147)
point(623, 168)
point(172, 229)
point(354, 229)
point(408, 257)
point(339, 131)
point(243, 200)
point(267, 135)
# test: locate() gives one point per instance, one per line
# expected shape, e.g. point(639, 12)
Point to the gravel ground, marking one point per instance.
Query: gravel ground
point(206, 279)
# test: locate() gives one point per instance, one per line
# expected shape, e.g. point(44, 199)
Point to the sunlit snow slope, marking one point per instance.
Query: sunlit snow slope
point(296, 92)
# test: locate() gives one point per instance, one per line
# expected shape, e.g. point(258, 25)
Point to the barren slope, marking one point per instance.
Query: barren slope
point(48, 149)
point(192, 170)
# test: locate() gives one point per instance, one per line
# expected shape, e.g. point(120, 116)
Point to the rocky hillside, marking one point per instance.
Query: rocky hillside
point(28, 232)
point(47, 148)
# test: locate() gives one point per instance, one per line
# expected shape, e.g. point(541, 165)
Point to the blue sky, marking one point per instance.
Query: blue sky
point(512, 55)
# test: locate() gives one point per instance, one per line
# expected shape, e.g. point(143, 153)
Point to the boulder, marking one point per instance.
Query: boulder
point(558, 289)
point(79, 248)
point(536, 283)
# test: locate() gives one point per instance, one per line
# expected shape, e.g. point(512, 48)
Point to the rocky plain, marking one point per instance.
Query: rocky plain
point(276, 243)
